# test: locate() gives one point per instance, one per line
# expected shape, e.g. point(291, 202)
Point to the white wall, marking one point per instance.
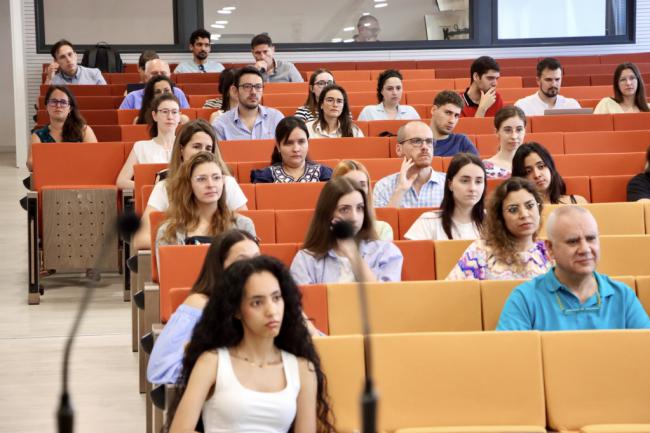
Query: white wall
point(34, 61)
point(7, 128)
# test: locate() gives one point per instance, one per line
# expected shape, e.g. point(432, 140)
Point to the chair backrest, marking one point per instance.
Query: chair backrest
point(349, 148)
point(606, 141)
point(643, 291)
point(179, 267)
point(613, 218)
point(596, 377)
point(342, 360)
point(579, 185)
point(600, 164)
point(287, 195)
point(552, 141)
point(291, 224)
point(407, 217)
point(144, 174)
point(389, 215)
point(448, 252)
point(415, 306)
point(624, 255)
point(494, 294)
point(155, 220)
point(246, 150)
point(471, 379)
point(283, 252)
point(315, 306)
point(419, 260)
point(177, 296)
point(572, 122)
point(132, 133)
point(605, 189)
point(631, 121)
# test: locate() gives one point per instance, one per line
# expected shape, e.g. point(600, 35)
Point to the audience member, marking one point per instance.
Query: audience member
point(462, 210)
point(638, 188)
point(226, 89)
point(252, 332)
point(166, 359)
point(389, 95)
point(272, 69)
point(198, 210)
point(200, 48)
point(153, 68)
point(196, 136)
point(145, 56)
point(510, 126)
point(318, 80)
point(572, 295)
point(157, 85)
point(481, 97)
point(417, 184)
point(536, 164)
point(358, 172)
point(325, 259)
point(629, 92)
point(445, 115)
point(64, 69)
point(549, 80)
point(66, 122)
point(509, 248)
point(367, 29)
point(249, 120)
point(290, 160)
point(165, 117)
point(334, 119)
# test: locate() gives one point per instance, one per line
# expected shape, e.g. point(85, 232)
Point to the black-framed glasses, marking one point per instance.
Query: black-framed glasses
point(60, 102)
point(248, 87)
point(567, 311)
point(323, 83)
point(419, 142)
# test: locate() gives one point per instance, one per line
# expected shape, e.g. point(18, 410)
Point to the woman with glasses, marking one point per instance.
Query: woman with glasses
point(66, 123)
point(510, 126)
point(318, 80)
point(509, 248)
point(165, 117)
point(389, 94)
point(156, 86)
point(333, 115)
point(629, 92)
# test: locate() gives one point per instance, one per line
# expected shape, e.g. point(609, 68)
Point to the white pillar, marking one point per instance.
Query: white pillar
point(14, 113)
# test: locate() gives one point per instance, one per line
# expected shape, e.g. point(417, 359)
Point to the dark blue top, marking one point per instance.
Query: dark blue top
point(275, 174)
point(44, 135)
point(454, 144)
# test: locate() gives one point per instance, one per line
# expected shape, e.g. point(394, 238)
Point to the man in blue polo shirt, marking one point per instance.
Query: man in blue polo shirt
point(572, 295)
point(445, 115)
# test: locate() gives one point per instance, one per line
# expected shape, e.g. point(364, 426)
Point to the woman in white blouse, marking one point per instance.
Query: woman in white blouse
point(334, 118)
point(389, 93)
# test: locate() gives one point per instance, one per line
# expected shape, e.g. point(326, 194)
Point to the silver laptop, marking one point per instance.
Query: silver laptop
point(558, 111)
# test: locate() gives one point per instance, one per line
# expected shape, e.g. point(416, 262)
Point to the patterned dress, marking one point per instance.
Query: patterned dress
point(495, 172)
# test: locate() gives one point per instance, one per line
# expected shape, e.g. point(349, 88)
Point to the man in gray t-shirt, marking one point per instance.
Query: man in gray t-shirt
point(273, 71)
point(65, 70)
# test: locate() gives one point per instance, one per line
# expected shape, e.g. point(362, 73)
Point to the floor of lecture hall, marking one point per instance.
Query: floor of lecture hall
point(104, 371)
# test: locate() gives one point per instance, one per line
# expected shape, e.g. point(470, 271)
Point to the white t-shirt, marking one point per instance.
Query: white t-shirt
point(150, 152)
point(235, 197)
point(534, 106)
point(315, 131)
point(429, 227)
point(377, 112)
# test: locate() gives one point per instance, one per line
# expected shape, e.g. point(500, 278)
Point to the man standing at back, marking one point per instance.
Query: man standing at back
point(152, 68)
point(272, 70)
point(445, 114)
point(249, 120)
point(549, 80)
point(65, 70)
point(200, 48)
point(481, 97)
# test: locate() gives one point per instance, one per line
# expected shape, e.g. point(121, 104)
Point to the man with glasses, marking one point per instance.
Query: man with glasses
point(572, 295)
point(249, 120)
point(272, 70)
point(152, 68)
point(200, 48)
point(417, 184)
point(64, 69)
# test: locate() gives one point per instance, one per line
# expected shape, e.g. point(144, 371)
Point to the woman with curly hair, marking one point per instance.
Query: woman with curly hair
point(251, 364)
point(509, 248)
point(198, 207)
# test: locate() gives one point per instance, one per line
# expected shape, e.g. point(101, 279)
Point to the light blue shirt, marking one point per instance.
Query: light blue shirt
point(191, 67)
point(166, 359)
point(430, 194)
point(534, 305)
point(229, 126)
point(133, 101)
point(384, 259)
point(83, 75)
point(377, 112)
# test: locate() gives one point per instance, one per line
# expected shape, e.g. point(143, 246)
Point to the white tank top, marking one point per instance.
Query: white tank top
point(234, 408)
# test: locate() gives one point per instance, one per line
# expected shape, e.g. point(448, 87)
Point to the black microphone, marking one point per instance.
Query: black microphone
point(125, 226)
point(344, 231)
point(263, 70)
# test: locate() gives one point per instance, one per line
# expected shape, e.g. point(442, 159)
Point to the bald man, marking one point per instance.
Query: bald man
point(152, 68)
point(572, 295)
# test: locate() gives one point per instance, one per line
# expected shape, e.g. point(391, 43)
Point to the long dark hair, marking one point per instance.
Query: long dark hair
point(212, 268)
point(282, 132)
point(220, 328)
point(147, 97)
point(383, 77)
point(639, 97)
point(448, 204)
point(556, 187)
point(74, 125)
point(319, 238)
point(153, 126)
point(226, 80)
point(311, 103)
point(345, 120)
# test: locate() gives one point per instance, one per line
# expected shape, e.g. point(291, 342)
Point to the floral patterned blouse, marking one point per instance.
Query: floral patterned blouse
point(478, 262)
point(495, 172)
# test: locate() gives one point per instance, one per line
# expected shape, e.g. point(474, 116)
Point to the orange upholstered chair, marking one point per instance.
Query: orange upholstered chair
point(572, 122)
point(553, 141)
point(314, 304)
point(407, 217)
point(606, 141)
point(287, 195)
point(132, 133)
point(349, 148)
point(390, 216)
point(291, 224)
point(283, 252)
point(246, 150)
point(448, 252)
point(264, 221)
point(419, 260)
point(606, 189)
point(600, 164)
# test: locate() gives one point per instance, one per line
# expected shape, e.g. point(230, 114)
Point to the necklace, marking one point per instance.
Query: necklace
point(257, 364)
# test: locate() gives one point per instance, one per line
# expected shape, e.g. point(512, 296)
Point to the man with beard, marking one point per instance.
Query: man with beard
point(572, 295)
point(200, 48)
point(549, 80)
point(445, 114)
point(248, 120)
point(417, 184)
point(272, 69)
